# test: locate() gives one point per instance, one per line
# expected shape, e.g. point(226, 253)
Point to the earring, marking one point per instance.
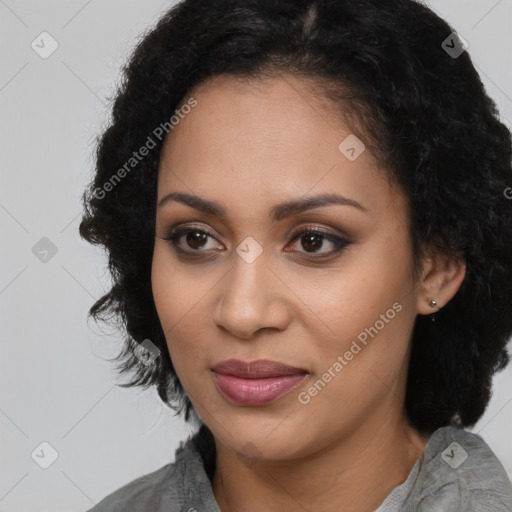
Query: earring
point(432, 304)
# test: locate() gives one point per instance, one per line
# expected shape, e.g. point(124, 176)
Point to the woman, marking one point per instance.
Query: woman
point(305, 213)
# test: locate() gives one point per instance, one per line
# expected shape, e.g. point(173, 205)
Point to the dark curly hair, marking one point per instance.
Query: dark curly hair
point(422, 111)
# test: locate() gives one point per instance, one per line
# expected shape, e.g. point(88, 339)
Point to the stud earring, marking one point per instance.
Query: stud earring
point(432, 304)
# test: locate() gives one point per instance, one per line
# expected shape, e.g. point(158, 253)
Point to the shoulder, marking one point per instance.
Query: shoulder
point(459, 472)
point(158, 491)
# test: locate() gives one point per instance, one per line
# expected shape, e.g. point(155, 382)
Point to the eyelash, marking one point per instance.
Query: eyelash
point(340, 243)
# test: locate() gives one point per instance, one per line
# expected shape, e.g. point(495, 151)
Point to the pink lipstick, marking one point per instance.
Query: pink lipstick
point(256, 382)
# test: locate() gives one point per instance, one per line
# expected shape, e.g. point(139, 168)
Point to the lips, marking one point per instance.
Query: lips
point(257, 382)
point(259, 369)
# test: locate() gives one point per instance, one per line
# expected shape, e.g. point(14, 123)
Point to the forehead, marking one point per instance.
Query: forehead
point(275, 138)
point(261, 110)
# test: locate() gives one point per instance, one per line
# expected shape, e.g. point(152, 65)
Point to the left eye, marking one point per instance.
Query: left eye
point(312, 240)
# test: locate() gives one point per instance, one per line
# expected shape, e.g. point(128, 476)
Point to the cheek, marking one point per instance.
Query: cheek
point(173, 300)
point(371, 278)
point(177, 288)
point(358, 367)
point(368, 326)
point(367, 310)
point(180, 292)
point(165, 286)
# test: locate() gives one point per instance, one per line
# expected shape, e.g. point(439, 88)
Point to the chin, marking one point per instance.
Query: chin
point(263, 443)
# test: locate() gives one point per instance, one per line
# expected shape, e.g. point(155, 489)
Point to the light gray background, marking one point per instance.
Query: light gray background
point(55, 382)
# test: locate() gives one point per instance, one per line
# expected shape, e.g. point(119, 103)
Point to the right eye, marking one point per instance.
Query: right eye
point(195, 240)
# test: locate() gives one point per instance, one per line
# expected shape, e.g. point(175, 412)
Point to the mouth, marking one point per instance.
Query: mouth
point(256, 382)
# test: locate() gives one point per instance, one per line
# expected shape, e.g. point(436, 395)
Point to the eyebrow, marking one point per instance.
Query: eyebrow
point(277, 212)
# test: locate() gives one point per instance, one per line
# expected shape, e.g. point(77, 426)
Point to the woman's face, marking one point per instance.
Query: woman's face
point(251, 289)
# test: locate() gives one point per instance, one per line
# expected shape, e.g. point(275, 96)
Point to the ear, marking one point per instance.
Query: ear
point(441, 277)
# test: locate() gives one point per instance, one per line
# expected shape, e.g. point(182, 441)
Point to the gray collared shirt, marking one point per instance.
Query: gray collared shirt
point(458, 472)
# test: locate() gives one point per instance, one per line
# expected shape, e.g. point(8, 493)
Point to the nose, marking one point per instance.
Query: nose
point(252, 298)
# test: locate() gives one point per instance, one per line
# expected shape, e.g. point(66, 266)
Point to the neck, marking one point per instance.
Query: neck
point(355, 473)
